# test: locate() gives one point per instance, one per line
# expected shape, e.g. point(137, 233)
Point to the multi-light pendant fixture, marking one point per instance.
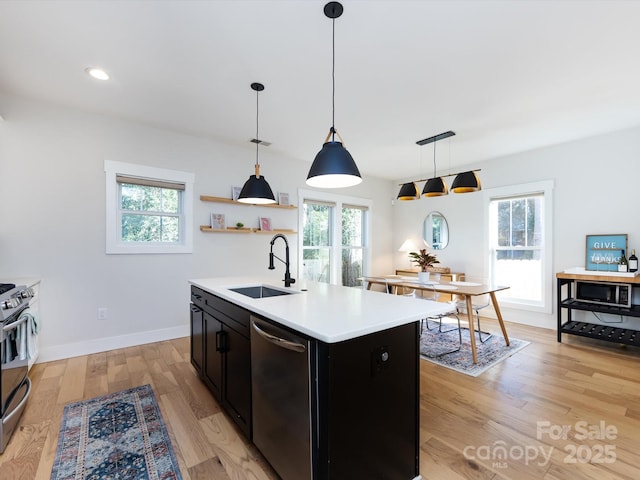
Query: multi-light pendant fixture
point(256, 190)
point(436, 186)
point(333, 166)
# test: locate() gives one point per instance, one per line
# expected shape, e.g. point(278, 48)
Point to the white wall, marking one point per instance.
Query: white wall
point(52, 223)
point(52, 215)
point(596, 191)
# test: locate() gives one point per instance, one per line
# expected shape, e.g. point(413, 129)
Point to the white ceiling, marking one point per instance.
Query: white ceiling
point(506, 76)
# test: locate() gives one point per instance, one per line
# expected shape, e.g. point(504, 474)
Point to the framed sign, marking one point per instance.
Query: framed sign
point(265, 224)
point(603, 252)
point(218, 221)
point(283, 198)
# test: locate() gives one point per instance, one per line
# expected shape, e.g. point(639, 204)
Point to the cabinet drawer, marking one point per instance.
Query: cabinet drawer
point(198, 296)
point(235, 317)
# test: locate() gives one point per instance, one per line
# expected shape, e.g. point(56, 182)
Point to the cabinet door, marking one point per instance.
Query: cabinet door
point(237, 379)
point(197, 339)
point(212, 354)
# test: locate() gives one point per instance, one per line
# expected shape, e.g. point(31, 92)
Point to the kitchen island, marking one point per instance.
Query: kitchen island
point(324, 380)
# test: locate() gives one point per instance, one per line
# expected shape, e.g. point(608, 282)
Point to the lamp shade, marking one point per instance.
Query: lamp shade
point(435, 187)
point(256, 190)
point(408, 191)
point(466, 182)
point(408, 246)
point(333, 167)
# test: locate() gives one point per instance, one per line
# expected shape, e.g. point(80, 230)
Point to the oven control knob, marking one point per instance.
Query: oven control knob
point(11, 303)
point(27, 293)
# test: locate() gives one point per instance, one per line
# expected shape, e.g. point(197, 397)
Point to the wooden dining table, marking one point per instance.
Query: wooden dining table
point(468, 290)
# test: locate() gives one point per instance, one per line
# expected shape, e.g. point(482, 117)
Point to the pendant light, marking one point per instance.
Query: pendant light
point(333, 166)
point(408, 191)
point(256, 190)
point(466, 182)
point(436, 186)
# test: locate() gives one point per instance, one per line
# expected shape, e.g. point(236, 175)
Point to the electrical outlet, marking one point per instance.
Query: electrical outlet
point(102, 313)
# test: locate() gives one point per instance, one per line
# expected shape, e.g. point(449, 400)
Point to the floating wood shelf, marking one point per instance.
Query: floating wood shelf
point(207, 228)
point(208, 198)
point(276, 230)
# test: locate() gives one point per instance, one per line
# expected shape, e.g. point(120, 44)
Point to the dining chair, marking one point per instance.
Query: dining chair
point(478, 302)
point(432, 295)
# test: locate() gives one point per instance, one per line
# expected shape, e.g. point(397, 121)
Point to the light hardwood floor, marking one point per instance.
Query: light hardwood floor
point(517, 407)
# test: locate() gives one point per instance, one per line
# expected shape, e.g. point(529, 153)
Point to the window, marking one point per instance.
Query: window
point(148, 209)
point(353, 233)
point(316, 246)
point(334, 238)
point(520, 244)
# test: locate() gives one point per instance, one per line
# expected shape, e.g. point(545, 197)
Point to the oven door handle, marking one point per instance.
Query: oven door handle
point(18, 409)
point(14, 325)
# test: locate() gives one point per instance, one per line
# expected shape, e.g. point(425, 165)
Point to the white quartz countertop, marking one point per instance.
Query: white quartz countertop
point(329, 313)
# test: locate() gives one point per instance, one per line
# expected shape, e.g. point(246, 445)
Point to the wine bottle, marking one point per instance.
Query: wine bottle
point(633, 262)
point(623, 265)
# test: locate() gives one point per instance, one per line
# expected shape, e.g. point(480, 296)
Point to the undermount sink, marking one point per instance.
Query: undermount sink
point(261, 291)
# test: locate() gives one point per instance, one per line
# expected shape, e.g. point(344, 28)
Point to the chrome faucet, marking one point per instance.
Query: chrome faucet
point(287, 275)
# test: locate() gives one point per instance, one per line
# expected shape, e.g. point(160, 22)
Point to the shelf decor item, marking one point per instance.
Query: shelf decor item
point(235, 193)
point(283, 198)
point(265, 224)
point(218, 221)
point(424, 260)
point(603, 252)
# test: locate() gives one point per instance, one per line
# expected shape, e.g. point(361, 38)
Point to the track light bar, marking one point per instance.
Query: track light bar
point(435, 138)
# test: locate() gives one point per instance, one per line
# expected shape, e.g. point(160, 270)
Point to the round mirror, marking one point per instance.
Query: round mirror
point(436, 231)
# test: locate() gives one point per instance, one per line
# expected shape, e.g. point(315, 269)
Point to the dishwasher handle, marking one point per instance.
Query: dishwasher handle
point(280, 342)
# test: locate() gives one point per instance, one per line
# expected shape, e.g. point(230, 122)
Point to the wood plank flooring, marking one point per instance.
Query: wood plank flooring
point(505, 424)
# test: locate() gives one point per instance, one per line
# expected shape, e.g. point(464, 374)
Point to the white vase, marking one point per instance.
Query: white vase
point(423, 277)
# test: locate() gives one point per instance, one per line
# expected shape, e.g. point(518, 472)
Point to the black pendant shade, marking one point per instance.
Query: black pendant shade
point(333, 167)
point(408, 191)
point(435, 187)
point(466, 182)
point(256, 190)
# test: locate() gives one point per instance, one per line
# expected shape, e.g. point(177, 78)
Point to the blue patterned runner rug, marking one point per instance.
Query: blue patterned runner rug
point(490, 353)
point(120, 436)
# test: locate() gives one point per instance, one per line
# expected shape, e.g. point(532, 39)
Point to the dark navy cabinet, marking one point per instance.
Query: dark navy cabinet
point(220, 353)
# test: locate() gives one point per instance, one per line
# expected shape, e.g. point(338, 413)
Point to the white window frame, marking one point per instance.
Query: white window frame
point(114, 245)
point(545, 188)
point(336, 240)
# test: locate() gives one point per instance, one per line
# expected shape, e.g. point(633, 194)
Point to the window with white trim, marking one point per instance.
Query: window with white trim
point(520, 244)
point(149, 210)
point(334, 241)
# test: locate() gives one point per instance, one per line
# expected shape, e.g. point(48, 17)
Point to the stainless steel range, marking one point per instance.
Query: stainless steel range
point(15, 385)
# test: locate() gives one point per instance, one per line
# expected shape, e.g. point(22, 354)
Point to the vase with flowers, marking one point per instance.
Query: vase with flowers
point(424, 260)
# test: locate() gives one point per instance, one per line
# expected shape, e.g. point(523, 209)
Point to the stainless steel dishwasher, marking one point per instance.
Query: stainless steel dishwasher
point(281, 393)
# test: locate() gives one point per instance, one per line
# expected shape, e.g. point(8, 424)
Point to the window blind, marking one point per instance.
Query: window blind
point(149, 182)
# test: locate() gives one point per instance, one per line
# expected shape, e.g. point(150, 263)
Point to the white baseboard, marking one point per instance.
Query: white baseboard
point(70, 350)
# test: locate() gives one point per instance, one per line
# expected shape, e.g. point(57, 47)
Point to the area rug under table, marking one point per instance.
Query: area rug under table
point(115, 436)
point(490, 353)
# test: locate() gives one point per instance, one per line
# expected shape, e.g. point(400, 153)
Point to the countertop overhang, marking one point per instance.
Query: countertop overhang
point(330, 313)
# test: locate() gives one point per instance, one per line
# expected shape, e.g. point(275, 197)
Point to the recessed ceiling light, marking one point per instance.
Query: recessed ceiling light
point(97, 73)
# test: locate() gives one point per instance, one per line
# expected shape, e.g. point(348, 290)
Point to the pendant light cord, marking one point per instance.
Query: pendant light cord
point(333, 80)
point(434, 159)
point(257, 137)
